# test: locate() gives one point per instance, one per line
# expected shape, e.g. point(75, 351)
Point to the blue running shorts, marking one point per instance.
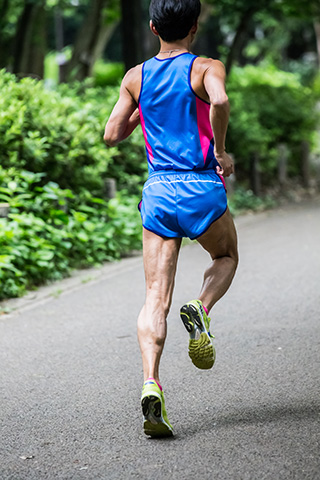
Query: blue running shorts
point(182, 204)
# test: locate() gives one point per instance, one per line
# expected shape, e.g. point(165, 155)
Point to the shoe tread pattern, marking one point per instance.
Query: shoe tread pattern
point(154, 424)
point(201, 351)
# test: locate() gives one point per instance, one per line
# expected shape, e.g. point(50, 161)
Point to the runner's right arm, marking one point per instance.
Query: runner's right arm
point(125, 115)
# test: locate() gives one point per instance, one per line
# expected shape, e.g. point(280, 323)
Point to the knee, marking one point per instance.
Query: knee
point(231, 263)
point(233, 255)
point(233, 259)
point(228, 261)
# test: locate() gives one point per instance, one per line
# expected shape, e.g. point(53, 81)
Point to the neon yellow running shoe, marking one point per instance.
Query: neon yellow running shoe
point(155, 420)
point(197, 323)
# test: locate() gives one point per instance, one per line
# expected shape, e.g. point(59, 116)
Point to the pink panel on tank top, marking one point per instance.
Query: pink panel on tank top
point(143, 126)
point(223, 181)
point(204, 127)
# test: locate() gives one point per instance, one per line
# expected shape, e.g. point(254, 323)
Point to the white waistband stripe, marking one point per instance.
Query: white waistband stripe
point(183, 181)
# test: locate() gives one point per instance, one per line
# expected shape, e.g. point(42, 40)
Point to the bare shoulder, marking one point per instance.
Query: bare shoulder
point(204, 65)
point(204, 71)
point(133, 74)
point(132, 81)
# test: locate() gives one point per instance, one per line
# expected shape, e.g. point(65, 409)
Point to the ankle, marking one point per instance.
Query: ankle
point(157, 382)
point(205, 309)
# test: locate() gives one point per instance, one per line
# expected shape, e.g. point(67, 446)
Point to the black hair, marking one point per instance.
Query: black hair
point(173, 19)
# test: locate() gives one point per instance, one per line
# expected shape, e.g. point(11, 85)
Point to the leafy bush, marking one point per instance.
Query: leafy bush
point(53, 170)
point(54, 166)
point(269, 107)
point(107, 73)
point(244, 201)
point(316, 86)
point(50, 231)
point(59, 132)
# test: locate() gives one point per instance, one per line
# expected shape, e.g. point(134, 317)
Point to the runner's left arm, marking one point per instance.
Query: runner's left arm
point(124, 117)
point(214, 82)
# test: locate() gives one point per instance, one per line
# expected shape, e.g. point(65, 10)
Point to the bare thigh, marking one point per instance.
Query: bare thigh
point(220, 240)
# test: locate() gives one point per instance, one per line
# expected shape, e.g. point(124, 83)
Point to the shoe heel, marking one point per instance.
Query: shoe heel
point(187, 319)
point(196, 317)
point(151, 405)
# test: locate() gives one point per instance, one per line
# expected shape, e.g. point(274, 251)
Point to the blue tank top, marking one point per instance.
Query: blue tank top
point(175, 121)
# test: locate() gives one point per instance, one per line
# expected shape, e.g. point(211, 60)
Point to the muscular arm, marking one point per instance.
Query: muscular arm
point(214, 83)
point(125, 115)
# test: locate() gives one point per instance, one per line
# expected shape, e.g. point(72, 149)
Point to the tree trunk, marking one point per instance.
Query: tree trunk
point(3, 12)
point(132, 32)
point(255, 174)
point(150, 42)
point(90, 43)
point(110, 188)
point(4, 210)
point(305, 163)
point(317, 32)
point(102, 41)
point(238, 41)
point(283, 156)
point(4, 43)
point(30, 41)
point(59, 37)
point(204, 35)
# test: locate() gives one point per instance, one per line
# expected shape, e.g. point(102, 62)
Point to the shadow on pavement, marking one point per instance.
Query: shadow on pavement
point(255, 415)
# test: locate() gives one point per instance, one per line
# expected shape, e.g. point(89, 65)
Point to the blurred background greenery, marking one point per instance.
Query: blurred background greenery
point(61, 64)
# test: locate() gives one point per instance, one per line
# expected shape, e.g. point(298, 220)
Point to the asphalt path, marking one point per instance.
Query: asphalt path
point(70, 370)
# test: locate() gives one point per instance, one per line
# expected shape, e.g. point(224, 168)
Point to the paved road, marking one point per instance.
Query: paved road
point(70, 371)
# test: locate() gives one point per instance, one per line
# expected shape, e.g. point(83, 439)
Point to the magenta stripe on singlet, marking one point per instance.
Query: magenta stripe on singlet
point(143, 126)
point(204, 127)
point(223, 181)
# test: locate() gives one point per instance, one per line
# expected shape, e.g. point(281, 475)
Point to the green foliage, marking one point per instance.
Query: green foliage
point(51, 67)
point(107, 73)
point(54, 165)
point(281, 31)
point(269, 107)
point(316, 86)
point(60, 132)
point(50, 231)
point(245, 201)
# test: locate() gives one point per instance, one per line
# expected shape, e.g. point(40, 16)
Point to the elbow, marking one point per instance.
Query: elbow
point(221, 102)
point(109, 141)
point(110, 138)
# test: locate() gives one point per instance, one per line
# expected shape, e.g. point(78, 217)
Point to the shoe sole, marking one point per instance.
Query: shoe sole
point(154, 424)
point(201, 351)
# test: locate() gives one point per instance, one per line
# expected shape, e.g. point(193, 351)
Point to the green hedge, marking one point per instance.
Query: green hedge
point(107, 73)
point(54, 166)
point(53, 170)
point(268, 107)
point(50, 231)
point(59, 132)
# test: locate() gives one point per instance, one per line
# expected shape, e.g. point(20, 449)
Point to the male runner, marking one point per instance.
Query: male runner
point(181, 103)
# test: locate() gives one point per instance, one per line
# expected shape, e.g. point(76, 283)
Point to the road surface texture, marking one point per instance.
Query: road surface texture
point(71, 373)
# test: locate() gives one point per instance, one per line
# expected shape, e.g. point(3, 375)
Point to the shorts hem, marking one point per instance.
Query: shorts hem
point(160, 235)
point(207, 228)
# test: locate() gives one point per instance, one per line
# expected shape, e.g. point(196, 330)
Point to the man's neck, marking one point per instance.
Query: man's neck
point(174, 48)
